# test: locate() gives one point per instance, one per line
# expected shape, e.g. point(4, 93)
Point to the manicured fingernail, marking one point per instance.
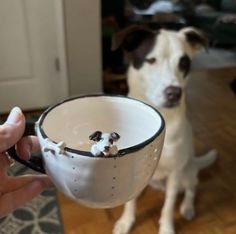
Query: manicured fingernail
point(11, 161)
point(15, 116)
point(28, 151)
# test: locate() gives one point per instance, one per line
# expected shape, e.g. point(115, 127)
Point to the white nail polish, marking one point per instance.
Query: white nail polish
point(14, 116)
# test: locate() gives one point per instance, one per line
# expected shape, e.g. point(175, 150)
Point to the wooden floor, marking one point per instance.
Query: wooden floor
point(212, 108)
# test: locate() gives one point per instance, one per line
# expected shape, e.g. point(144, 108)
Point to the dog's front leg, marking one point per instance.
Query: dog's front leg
point(126, 221)
point(166, 221)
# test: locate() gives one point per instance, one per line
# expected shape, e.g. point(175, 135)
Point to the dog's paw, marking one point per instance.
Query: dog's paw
point(188, 212)
point(166, 227)
point(166, 230)
point(213, 155)
point(123, 226)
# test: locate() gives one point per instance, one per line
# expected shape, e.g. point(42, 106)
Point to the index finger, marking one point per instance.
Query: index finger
point(26, 146)
point(12, 200)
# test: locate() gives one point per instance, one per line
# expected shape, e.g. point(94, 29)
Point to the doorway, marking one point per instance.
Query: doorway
point(32, 54)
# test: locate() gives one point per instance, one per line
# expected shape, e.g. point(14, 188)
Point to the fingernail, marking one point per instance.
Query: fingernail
point(15, 116)
point(36, 186)
point(28, 150)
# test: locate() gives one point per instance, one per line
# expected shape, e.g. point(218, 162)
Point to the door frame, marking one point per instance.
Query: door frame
point(61, 45)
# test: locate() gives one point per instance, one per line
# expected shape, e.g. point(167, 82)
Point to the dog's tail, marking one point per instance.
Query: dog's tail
point(206, 159)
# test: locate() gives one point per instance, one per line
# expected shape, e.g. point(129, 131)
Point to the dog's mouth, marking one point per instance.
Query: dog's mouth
point(106, 152)
point(170, 104)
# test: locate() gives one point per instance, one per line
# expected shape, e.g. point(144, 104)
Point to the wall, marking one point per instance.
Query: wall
point(83, 44)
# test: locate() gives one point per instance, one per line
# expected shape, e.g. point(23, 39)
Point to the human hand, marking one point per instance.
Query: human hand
point(16, 191)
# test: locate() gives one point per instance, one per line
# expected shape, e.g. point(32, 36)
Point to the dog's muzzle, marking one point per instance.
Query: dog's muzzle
point(106, 151)
point(172, 96)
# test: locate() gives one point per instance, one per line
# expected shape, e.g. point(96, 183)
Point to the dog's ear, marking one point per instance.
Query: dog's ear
point(115, 136)
point(137, 41)
point(195, 37)
point(96, 136)
point(131, 37)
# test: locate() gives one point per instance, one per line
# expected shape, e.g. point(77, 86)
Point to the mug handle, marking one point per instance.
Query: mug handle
point(35, 162)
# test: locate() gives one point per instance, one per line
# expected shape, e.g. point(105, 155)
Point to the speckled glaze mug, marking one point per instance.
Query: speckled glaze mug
point(95, 181)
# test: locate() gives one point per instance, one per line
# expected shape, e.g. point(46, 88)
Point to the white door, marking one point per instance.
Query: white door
point(32, 57)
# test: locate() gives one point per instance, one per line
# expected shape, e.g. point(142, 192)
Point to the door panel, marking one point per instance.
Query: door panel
point(14, 39)
point(29, 77)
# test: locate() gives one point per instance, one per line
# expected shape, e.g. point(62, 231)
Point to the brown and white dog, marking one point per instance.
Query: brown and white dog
point(160, 66)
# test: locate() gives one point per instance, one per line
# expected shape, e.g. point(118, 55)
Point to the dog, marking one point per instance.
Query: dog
point(160, 63)
point(104, 143)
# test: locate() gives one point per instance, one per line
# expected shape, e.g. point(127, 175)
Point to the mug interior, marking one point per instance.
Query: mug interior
point(75, 120)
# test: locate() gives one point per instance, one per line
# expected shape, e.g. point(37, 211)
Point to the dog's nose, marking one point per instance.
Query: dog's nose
point(106, 147)
point(173, 93)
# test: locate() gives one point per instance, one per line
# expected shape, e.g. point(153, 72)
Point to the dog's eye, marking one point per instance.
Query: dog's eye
point(185, 64)
point(150, 60)
point(111, 141)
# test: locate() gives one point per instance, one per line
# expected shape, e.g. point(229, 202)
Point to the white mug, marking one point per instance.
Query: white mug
point(97, 181)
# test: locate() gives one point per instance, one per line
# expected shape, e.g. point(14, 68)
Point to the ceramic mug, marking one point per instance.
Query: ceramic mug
point(96, 181)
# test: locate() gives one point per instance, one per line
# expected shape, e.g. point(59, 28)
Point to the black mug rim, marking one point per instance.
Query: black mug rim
point(121, 152)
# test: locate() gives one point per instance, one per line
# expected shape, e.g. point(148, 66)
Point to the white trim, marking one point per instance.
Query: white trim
point(83, 44)
point(61, 45)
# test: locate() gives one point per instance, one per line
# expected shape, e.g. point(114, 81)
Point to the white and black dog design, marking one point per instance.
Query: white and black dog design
point(104, 143)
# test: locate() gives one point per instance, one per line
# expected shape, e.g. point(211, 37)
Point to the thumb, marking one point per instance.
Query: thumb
point(12, 130)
